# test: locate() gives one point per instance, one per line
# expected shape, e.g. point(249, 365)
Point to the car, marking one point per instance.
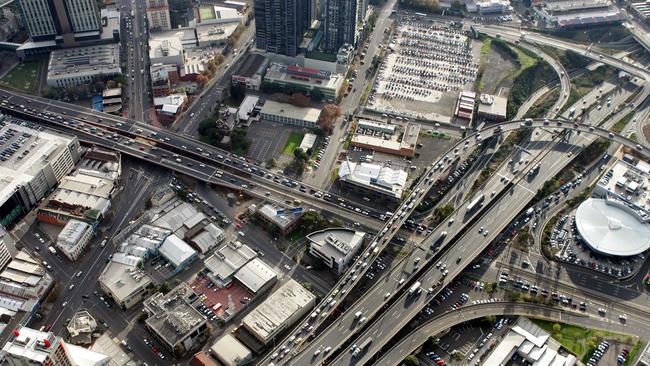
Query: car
point(79, 273)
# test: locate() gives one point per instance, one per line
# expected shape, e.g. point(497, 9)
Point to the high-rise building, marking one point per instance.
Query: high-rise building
point(7, 247)
point(61, 20)
point(362, 7)
point(280, 24)
point(341, 23)
point(30, 347)
point(158, 15)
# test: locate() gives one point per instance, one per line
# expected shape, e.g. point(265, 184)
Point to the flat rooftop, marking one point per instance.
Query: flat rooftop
point(84, 61)
point(24, 151)
point(337, 242)
point(629, 181)
point(283, 217)
point(171, 316)
point(303, 76)
point(278, 309)
point(123, 279)
point(290, 111)
point(374, 176)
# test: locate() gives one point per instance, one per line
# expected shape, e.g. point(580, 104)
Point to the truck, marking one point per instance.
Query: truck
point(415, 288)
point(530, 211)
point(52, 250)
point(476, 202)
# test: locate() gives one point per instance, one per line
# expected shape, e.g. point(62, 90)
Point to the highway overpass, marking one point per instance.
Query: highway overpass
point(409, 343)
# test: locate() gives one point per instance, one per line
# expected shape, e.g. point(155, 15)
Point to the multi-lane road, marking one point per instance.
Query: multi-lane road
point(470, 312)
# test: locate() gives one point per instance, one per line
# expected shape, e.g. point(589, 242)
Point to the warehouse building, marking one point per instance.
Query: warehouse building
point(173, 322)
point(373, 180)
point(289, 114)
point(177, 252)
point(532, 344)
point(226, 261)
point(83, 65)
point(278, 312)
point(74, 237)
point(231, 352)
point(256, 276)
point(575, 14)
point(32, 162)
point(335, 247)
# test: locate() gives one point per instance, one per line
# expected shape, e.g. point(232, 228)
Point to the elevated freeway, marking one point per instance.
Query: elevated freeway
point(396, 354)
point(511, 34)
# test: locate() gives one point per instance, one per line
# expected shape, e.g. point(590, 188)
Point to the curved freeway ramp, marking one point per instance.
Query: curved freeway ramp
point(417, 337)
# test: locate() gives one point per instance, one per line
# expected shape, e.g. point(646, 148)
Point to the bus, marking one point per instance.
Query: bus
point(476, 202)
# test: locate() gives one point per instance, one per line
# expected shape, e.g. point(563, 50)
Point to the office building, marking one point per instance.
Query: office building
point(126, 284)
point(29, 347)
point(289, 114)
point(279, 311)
point(306, 79)
point(341, 23)
point(32, 162)
point(7, 247)
point(24, 282)
point(61, 20)
point(285, 219)
point(398, 138)
point(83, 65)
point(158, 15)
point(492, 108)
point(173, 322)
point(335, 247)
point(280, 24)
point(250, 72)
point(73, 238)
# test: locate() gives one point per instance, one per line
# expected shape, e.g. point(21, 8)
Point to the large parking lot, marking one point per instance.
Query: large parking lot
point(428, 66)
point(267, 139)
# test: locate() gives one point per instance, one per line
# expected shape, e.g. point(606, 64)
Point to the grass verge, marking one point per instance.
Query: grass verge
point(24, 76)
point(292, 142)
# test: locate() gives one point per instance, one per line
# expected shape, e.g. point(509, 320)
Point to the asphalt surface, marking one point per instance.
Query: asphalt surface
point(135, 43)
point(416, 338)
point(128, 203)
point(388, 323)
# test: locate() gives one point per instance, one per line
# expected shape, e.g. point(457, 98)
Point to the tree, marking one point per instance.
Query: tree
point(557, 328)
point(237, 92)
point(328, 117)
point(411, 360)
point(164, 288)
point(202, 79)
